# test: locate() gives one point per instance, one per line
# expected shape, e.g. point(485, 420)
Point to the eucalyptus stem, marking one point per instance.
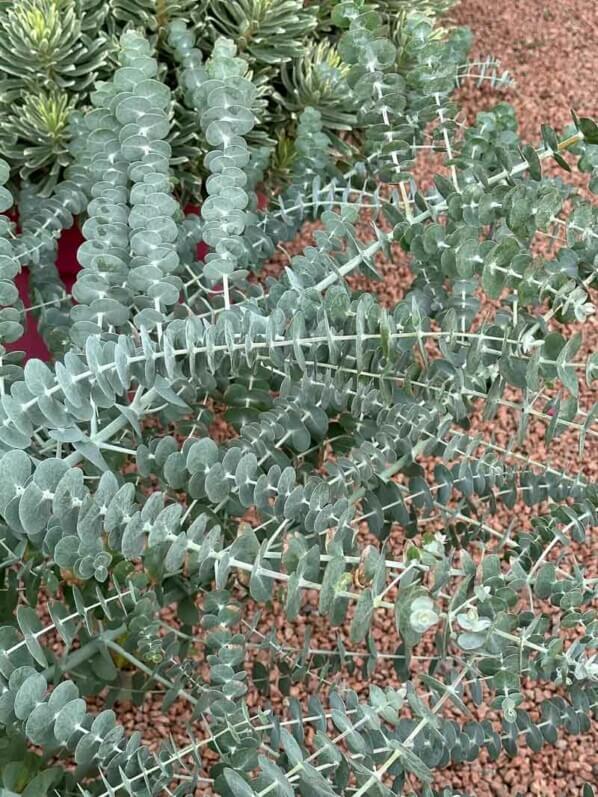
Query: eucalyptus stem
point(225, 439)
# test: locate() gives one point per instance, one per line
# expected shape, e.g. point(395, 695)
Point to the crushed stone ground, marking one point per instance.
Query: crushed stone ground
point(551, 49)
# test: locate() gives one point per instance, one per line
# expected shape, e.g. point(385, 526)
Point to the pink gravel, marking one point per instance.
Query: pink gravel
point(551, 51)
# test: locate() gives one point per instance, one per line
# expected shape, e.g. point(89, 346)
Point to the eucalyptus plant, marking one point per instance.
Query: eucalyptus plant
point(143, 555)
point(52, 51)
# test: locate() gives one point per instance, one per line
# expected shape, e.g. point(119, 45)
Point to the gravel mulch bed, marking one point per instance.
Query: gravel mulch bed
point(550, 49)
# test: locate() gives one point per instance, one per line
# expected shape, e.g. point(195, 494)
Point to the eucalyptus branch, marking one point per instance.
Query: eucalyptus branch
point(217, 439)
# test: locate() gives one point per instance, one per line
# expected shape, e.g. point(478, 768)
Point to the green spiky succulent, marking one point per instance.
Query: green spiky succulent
point(39, 125)
point(47, 42)
point(154, 15)
point(319, 80)
point(267, 32)
point(52, 50)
